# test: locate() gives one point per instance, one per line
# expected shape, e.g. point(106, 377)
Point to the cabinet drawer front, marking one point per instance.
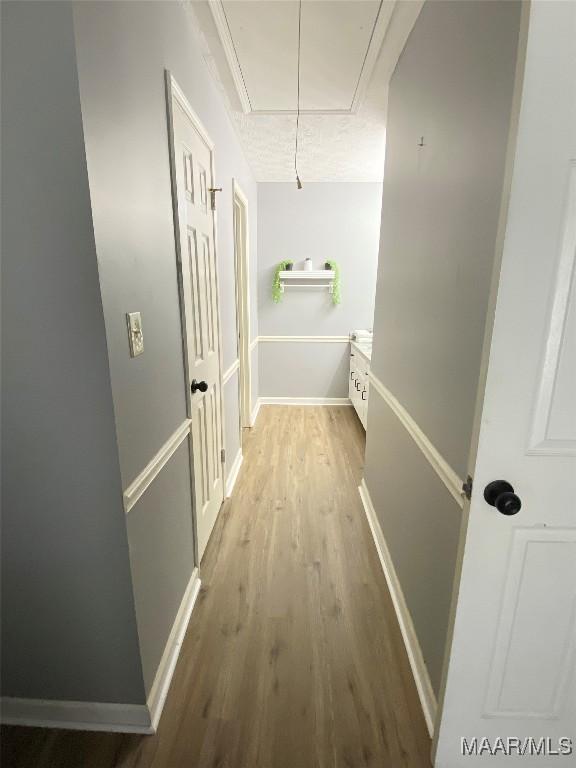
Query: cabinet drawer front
point(361, 363)
point(352, 391)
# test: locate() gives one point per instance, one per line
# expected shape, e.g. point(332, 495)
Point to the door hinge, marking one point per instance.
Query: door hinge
point(213, 191)
point(467, 487)
point(223, 455)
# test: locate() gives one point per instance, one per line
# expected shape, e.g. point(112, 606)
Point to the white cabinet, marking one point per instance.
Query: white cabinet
point(358, 382)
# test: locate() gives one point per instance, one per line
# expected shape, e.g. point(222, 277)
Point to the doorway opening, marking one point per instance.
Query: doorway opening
point(241, 265)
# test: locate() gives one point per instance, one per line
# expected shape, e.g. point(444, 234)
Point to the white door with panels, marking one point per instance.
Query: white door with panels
point(511, 675)
point(192, 160)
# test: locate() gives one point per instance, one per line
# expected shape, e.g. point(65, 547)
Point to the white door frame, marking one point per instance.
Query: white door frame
point(242, 270)
point(173, 91)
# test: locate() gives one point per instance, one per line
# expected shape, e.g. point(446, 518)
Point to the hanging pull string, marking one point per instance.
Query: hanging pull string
point(298, 182)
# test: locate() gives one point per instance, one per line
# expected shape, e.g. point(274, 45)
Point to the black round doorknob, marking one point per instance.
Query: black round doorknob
point(196, 386)
point(500, 494)
point(508, 503)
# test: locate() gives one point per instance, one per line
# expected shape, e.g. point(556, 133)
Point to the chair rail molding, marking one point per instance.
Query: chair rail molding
point(230, 371)
point(154, 467)
point(305, 339)
point(444, 471)
point(413, 650)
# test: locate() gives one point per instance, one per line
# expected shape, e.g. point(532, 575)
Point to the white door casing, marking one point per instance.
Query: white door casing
point(192, 158)
point(241, 253)
point(511, 668)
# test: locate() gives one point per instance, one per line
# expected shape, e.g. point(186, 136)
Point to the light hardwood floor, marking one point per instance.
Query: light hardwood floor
point(293, 657)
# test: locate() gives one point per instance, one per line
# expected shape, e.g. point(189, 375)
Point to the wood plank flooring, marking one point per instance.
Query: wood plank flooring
point(293, 657)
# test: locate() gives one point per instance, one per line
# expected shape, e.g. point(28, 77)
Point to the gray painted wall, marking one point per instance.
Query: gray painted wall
point(303, 369)
point(421, 526)
point(453, 86)
point(161, 551)
point(68, 619)
point(338, 221)
point(123, 49)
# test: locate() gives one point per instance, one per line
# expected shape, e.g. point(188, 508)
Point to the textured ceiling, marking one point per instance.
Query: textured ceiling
point(332, 147)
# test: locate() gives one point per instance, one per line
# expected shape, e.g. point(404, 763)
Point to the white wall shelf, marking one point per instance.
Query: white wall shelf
point(307, 278)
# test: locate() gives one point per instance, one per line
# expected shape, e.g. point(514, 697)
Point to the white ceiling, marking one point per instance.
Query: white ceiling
point(348, 51)
point(335, 40)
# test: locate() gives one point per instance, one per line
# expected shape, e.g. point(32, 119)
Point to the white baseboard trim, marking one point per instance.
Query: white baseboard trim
point(232, 475)
point(415, 657)
point(76, 715)
point(304, 401)
point(163, 678)
point(104, 716)
point(255, 412)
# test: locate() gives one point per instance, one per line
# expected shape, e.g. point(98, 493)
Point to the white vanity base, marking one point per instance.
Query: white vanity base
point(358, 388)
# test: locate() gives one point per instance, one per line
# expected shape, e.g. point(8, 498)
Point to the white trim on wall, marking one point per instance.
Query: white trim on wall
point(175, 91)
point(221, 24)
point(165, 671)
point(313, 339)
point(304, 401)
point(380, 30)
point(233, 473)
point(415, 657)
point(444, 471)
point(76, 715)
point(153, 468)
point(253, 343)
point(255, 412)
point(241, 231)
point(229, 372)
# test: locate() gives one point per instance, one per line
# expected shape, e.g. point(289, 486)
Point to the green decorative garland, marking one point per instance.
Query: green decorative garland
point(276, 287)
point(336, 297)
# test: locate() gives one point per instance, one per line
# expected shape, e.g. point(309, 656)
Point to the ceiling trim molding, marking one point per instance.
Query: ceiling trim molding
point(221, 22)
point(302, 112)
point(379, 30)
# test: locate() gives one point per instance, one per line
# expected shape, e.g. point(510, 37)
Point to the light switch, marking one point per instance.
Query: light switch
point(135, 336)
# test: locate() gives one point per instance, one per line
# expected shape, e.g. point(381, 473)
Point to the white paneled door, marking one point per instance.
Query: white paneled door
point(192, 169)
point(510, 695)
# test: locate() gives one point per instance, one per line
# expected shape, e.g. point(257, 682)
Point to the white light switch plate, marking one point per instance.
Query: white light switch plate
point(135, 335)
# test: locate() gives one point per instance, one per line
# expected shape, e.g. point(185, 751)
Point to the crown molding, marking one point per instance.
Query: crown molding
point(377, 37)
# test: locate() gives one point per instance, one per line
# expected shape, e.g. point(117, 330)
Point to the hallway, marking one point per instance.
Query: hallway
point(293, 657)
